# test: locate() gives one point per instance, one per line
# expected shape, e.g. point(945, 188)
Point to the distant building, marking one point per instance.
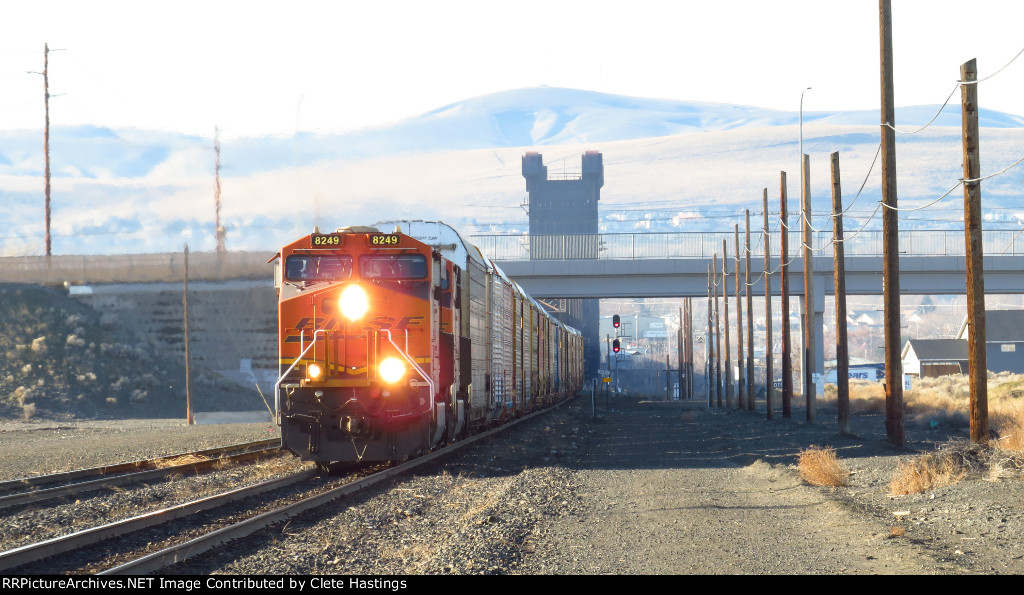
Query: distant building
point(930, 358)
point(1004, 340)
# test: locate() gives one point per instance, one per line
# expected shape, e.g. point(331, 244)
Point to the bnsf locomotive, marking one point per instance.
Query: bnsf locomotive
point(392, 343)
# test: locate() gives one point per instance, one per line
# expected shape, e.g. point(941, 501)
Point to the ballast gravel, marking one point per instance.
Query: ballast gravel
point(623, 485)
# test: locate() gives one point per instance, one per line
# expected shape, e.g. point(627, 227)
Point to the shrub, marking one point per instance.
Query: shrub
point(934, 470)
point(819, 466)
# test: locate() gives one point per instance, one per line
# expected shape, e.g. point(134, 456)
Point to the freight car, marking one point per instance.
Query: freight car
point(392, 343)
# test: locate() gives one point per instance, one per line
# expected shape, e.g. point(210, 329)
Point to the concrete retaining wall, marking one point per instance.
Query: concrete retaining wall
point(135, 268)
point(232, 324)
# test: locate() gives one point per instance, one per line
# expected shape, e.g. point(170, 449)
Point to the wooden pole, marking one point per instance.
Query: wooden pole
point(689, 347)
point(668, 379)
point(810, 365)
point(709, 343)
point(188, 359)
point(46, 145)
point(787, 339)
point(741, 392)
point(688, 316)
point(975, 267)
point(680, 349)
point(890, 238)
point(839, 268)
point(750, 322)
point(768, 377)
point(725, 325)
point(219, 230)
point(718, 337)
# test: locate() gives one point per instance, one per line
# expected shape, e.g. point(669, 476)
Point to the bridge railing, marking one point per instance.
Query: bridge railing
point(612, 246)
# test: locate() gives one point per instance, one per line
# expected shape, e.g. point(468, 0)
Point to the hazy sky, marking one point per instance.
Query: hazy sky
point(257, 67)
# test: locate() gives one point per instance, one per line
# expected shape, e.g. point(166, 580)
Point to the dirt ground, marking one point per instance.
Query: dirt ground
point(680, 488)
point(624, 486)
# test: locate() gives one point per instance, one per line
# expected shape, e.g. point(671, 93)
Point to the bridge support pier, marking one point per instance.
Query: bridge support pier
point(816, 357)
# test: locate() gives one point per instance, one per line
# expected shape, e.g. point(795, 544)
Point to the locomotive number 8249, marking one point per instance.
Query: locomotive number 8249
point(392, 344)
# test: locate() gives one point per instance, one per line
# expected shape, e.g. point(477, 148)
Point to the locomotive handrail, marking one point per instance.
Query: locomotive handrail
point(277, 385)
point(413, 363)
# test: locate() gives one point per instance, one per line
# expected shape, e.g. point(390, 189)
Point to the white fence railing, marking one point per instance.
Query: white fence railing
point(612, 246)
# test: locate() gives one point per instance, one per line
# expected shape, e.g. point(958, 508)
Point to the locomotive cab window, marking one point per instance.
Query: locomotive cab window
point(318, 268)
point(393, 266)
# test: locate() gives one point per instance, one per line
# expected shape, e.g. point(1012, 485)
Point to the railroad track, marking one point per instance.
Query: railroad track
point(150, 542)
point(41, 488)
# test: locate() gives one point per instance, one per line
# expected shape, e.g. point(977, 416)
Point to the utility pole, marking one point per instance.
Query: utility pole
point(810, 365)
point(718, 336)
point(768, 377)
point(689, 348)
point(839, 268)
point(890, 238)
point(668, 379)
point(787, 339)
point(680, 357)
point(219, 230)
point(975, 267)
point(709, 342)
point(46, 142)
point(725, 325)
point(750, 322)
point(188, 360)
point(46, 146)
point(741, 385)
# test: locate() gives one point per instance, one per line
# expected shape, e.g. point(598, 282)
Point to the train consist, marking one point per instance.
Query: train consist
point(392, 343)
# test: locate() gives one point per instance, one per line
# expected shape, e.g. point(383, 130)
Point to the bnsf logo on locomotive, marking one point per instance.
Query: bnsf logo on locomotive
point(377, 323)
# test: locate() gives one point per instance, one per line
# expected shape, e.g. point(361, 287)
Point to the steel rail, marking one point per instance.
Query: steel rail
point(64, 476)
point(42, 495)
point(73, 541)
point(200, 545)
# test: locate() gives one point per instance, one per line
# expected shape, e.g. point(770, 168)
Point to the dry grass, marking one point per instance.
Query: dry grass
point(946, 401)
point(819, 466)
point(178, 461)
point(933, 470)
point(1007, 415)
point(265, 469)
point(865, 397)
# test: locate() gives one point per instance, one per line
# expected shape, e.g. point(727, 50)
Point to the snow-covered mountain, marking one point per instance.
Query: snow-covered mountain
point(668, 165)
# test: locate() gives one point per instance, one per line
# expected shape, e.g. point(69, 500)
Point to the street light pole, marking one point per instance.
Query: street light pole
point(803, 215)
point(802, 126)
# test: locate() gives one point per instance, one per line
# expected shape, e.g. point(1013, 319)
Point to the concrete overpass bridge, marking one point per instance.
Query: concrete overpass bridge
point(676, 264)
point(669, 265)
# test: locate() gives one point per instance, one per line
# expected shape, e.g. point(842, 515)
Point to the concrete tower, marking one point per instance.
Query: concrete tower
point(560, 205)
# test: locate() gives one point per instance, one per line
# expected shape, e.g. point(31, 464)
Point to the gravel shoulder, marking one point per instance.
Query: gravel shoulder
point(628, 486)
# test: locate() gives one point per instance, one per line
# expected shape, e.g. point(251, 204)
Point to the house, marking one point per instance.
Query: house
point(929, 358)
point(1004, 340)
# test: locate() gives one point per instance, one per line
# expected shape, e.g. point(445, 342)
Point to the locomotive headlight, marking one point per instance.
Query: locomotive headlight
point(353, 302)
point(314, 371)
point(391, 370)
